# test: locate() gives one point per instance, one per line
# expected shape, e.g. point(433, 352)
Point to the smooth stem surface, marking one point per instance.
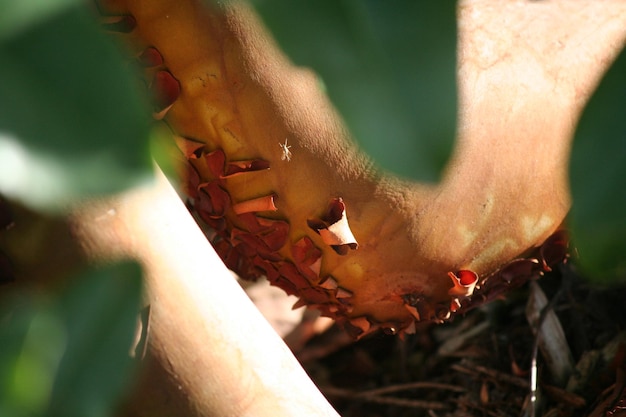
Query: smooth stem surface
point(221, 356)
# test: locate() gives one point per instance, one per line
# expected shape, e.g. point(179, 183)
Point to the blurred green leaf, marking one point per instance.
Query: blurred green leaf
point(389, 67)
point(72, 122)
point(598, 178)
point(69, 356)
point(31, 347)
point(16, 16)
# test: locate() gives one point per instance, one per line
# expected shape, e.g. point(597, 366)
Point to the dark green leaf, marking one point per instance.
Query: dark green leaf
point(390, 68)
point(70, 356)
point(598, 178)
point(16, 16)
point(32, 342)
point(101, 315)
point(72, 122)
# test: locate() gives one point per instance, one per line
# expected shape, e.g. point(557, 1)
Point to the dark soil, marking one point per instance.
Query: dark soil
point(481, 364)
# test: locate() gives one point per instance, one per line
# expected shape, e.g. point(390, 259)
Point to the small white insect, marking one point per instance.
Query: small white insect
point(286, 152)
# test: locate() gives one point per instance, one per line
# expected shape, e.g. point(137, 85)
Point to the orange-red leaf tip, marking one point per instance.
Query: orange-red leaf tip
point(463, 283)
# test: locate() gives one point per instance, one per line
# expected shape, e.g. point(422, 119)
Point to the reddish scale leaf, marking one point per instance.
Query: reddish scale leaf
point(192, 183)
point(356, 327)
point(243, 247)
point(272, 233)
point(334, 229)
point(266, 253)
point(286, 285)
point(165, 89)
point(150, 57)
point(213, 199)
point(250, 222)
point(316, 225)
point(244, 268)
point(190, 149)
point(554, 250)
point(305, 252)
point(345, 304)
point(329, 283)
point(227, 253)
point(307, 258)
point(328, 310)
point(466, 277)
point(242, 167)
point(301, 303)
point(275, 233)
point(264, 203)
point(336, 209)
point(519, 270)
point(343, 294)
point(237, 236)
point(309, 273)
point(218, 224)
point(414, 312)
point(464, 282)
point(254, 243)
point(315, 295)
point(215, 161)
point(119, 24)
point(249, 269)
point(343, 249)
point(268, 268)
point(289, 271)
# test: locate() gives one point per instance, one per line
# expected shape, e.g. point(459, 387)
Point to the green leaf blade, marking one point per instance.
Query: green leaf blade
point(598, 178)
point(389, 67)
point(69, 356)
point(73, 122)
point(101, 312)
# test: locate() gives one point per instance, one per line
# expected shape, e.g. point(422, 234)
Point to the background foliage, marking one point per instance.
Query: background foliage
point(72, 124)
point(389, 67)
point(73, 121)
point(68, 355)
point(598, 179)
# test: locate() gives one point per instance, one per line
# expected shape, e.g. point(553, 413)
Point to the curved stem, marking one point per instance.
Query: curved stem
point(211, 352)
